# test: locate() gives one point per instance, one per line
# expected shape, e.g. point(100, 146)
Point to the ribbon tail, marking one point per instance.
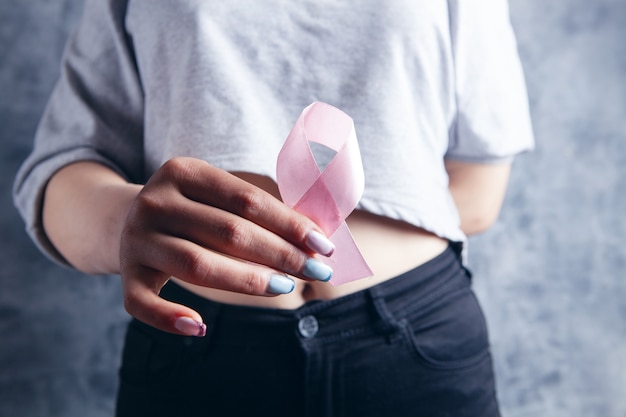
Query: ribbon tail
point(347, 262)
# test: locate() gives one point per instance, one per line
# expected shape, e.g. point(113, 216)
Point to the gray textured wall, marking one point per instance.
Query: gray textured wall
point(551, 272)
point(60, 331)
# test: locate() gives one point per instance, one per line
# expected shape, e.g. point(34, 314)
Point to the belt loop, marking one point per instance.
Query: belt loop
point(212, 317)
point(208, 309)
point(389, 324)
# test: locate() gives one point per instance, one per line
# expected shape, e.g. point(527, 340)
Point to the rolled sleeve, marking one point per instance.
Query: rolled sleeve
point(492, 122)
point(95, 113)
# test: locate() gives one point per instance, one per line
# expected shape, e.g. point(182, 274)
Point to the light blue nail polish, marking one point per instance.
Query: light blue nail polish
point(317, 270)
point(280, 284)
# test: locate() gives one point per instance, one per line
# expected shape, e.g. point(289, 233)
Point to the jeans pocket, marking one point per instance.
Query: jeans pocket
point(450, 334)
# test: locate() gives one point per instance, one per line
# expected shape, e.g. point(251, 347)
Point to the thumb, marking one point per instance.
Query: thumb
point(142, 301)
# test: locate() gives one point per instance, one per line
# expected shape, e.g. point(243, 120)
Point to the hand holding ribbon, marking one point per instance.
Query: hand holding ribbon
point(326, 197)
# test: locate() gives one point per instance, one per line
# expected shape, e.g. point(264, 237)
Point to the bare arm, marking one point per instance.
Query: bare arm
point(478, 191)
point(192, 221)
point(84, 211)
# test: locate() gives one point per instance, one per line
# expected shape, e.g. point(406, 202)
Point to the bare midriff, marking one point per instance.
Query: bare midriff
point(390, 247)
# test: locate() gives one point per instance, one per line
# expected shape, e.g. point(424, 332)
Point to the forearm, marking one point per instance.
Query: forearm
point(84, 211)
point(478, 191)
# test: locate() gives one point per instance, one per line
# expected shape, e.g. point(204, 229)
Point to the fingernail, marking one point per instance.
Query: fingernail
point(317, 270)
point(280, 284)
point(190, 327)
point(319, 243)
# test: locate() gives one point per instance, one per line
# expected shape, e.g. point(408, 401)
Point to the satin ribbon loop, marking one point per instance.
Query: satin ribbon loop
point(326, 197)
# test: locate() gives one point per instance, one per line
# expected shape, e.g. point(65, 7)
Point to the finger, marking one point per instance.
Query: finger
point(227, 233)
point(142, 285)
point(194, 264)
point(211, 186)
point(142, 302)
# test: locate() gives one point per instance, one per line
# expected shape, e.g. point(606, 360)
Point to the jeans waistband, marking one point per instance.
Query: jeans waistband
point(366, 310)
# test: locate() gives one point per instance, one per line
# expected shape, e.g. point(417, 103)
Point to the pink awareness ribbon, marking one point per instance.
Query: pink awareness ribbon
point(326, 197)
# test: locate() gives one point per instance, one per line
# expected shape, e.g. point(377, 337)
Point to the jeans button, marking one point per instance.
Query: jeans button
point(308, 326)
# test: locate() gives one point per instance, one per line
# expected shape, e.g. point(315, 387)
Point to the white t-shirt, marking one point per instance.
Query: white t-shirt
point(224, 81)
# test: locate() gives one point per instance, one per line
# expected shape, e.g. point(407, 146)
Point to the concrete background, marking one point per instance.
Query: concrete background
point(551, 273)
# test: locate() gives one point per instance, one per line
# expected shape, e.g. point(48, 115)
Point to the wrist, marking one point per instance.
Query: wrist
point(116, 201)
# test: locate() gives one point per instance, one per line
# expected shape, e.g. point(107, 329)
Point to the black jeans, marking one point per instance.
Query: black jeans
point(415, 345)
